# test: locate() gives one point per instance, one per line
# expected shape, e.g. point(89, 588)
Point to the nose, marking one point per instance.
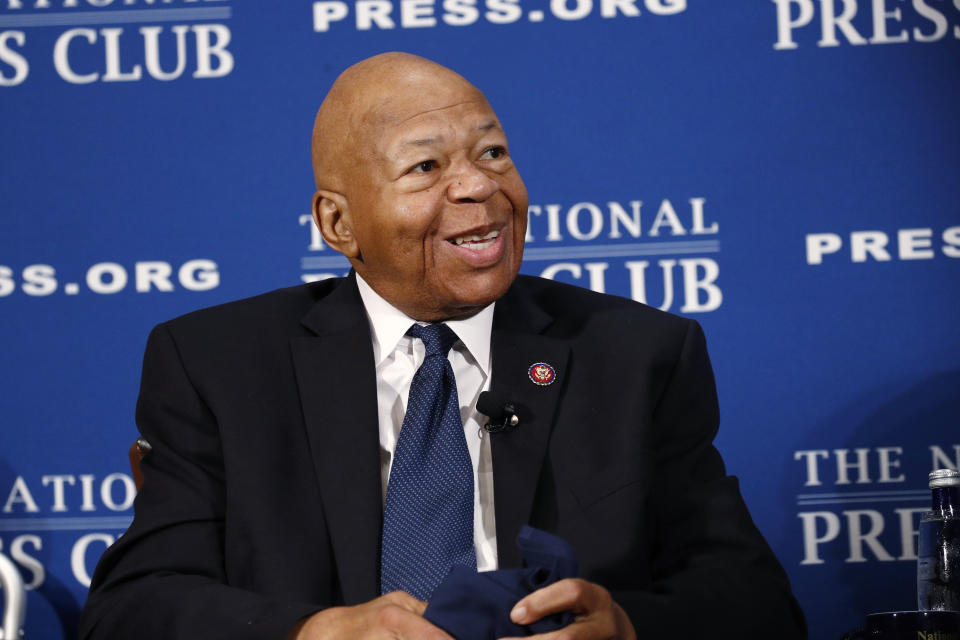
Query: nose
point(470, 184)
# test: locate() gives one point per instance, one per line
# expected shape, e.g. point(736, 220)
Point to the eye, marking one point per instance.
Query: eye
point(494, 153)
point(423, 167)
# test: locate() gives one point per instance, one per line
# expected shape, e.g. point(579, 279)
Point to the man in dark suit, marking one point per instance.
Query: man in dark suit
point(275, 421)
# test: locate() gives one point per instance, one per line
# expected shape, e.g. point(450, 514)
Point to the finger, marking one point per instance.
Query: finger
point(572, 594)
point(404, 624)
point(599, 625)
point(406, 601)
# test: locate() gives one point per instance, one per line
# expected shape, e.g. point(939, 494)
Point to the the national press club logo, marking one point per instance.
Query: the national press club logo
point(365, 15)
point(877, 245)
point(114, 41)
point(86, 512)
point(108, 278)
point(864, 504)
point(662, 253)
point(807, 23)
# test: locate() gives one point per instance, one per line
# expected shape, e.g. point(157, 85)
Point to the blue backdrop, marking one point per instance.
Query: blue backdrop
point(784, 171)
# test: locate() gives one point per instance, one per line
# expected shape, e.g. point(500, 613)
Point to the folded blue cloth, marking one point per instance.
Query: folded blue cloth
point(476, 606)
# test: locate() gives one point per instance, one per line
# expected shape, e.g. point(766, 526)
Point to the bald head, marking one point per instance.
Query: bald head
point(379, 91)
point(417, 188)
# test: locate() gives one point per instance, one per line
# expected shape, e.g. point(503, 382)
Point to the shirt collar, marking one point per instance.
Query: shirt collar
point(388, 325)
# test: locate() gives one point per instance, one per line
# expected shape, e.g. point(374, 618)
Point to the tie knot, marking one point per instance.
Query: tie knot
point(437, 338)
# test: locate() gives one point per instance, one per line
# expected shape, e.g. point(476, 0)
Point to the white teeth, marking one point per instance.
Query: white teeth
point(476, 241)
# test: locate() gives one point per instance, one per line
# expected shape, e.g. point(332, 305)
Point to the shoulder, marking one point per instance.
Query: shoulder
point(579, 311)
point(276, 314)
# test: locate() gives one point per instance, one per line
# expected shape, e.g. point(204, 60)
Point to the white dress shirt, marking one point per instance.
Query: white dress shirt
point(398, 357)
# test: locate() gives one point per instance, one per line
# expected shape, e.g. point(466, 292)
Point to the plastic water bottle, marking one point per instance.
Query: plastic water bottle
point(938, 558)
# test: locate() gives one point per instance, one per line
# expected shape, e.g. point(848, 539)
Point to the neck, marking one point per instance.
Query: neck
point(946, 501)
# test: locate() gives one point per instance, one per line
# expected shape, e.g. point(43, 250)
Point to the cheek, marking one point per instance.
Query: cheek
point(515, 189)
point(520, 230)
point(516, 193)
point(409, 240)
point(413, 217)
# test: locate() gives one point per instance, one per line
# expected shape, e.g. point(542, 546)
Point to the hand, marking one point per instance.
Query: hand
point(598, 617)
point(396, 615)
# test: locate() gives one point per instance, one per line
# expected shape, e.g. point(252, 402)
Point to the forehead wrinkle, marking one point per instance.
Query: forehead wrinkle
point(434, 109)
point(421, 142)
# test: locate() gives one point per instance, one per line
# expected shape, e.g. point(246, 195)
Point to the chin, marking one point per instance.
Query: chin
point(475, 298)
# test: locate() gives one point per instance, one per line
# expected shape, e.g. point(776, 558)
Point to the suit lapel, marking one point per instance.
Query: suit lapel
point(518, 455)
point(338, 394)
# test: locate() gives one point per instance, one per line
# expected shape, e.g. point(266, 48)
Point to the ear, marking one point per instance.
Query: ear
point(332, 215)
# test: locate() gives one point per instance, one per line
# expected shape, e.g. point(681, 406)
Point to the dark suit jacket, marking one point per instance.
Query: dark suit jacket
point(261, 501)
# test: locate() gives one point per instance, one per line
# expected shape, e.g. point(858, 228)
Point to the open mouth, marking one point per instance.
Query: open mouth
point(476, 242)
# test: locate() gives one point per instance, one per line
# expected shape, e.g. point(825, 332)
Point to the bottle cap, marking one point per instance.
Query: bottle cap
point(944, 478)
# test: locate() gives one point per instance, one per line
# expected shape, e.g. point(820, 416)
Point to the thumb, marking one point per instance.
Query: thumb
point(406, 601)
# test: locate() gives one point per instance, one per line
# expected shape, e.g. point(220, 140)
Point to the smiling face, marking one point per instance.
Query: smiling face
point(430, 210)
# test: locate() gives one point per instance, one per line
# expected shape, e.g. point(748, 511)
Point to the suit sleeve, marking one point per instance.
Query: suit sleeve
point(165, 577)
point(713, 574)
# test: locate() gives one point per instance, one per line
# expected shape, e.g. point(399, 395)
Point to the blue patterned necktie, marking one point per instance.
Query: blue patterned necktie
point(428, 518)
